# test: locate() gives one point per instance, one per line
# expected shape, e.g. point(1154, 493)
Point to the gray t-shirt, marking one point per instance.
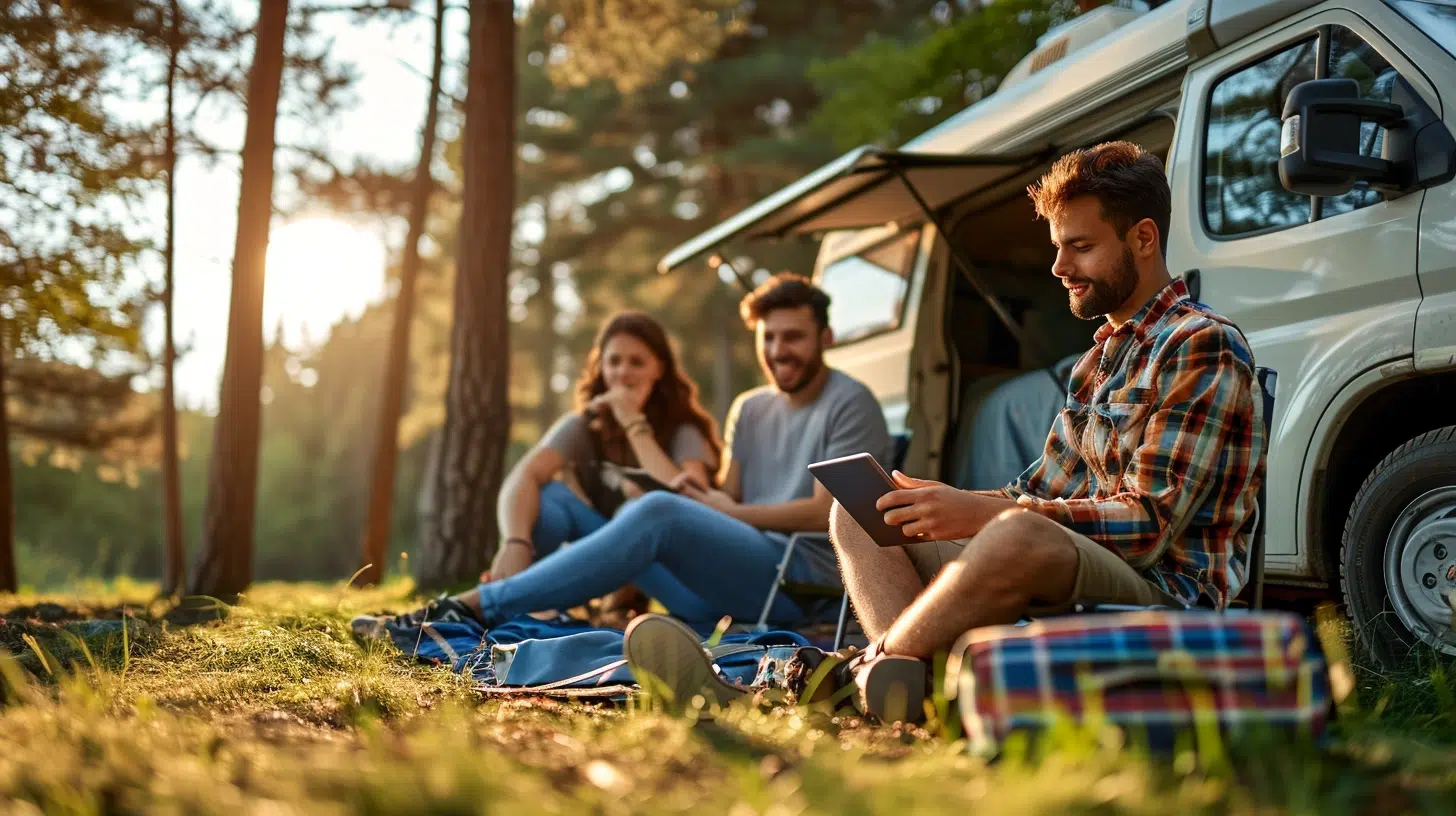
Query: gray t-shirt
point(571, 437)
point(774, 444)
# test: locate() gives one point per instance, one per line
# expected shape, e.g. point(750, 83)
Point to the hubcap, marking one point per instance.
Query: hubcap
point(1420, 567)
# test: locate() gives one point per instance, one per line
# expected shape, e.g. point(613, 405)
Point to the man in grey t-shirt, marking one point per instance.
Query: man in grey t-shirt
point(772, 438)
point(702, 551)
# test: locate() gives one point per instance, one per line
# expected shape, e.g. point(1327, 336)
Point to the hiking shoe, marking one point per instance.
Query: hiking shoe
point(671, 665)
point(443, 609)
point(889, 688)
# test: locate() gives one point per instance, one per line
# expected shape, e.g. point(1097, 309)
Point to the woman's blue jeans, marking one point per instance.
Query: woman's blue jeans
point(694, 560)
point(562, 517)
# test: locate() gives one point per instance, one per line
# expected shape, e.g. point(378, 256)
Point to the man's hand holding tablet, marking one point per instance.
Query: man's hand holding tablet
point(901, 510)
point(935, 511)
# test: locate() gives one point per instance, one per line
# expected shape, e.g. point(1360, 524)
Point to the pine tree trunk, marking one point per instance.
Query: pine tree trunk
point(460, 535)
point(386, 440)
point(547, 345)
point(8, 579)
point(224, 565)
point(174, 563)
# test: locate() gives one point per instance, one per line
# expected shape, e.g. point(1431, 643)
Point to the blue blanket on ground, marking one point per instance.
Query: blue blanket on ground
point(537, 652)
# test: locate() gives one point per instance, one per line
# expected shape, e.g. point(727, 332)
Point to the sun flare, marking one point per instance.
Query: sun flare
point(319, 271)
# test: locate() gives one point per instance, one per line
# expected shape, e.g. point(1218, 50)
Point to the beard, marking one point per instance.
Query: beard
point(800, 375)
point(1110, 293)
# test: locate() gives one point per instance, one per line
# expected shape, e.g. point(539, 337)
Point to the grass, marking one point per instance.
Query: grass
point(112, 707)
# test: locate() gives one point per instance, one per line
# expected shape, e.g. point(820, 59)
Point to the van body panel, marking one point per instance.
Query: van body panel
point(1435, 339)
point(1436, 321)
point(1321, 302)
point(1316, 462)
point(1231, 20)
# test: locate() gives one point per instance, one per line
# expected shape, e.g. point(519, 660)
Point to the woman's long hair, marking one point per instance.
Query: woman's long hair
point(674, 398)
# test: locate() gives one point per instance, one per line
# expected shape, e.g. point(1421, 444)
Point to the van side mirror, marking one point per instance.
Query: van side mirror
point(1319, 147)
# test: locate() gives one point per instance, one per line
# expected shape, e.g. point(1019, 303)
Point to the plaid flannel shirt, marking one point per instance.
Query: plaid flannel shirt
point(1158, 453)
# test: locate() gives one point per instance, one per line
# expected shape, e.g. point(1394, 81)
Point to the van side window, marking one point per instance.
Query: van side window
point(1241, 188)
point(867, 289)
point(1242, 194)
point(1353, 58)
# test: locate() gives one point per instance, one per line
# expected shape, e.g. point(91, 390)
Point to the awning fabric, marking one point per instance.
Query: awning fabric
point(860, 189)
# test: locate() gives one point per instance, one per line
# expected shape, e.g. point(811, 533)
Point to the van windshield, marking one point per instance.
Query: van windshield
point(1435, 17)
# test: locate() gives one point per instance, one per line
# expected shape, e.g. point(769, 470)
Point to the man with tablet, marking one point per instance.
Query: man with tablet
point(1145, 492)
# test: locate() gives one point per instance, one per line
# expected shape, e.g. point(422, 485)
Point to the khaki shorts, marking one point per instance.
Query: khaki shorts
point(1102, 577)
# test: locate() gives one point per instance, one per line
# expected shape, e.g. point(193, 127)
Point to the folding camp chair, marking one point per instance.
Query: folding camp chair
point(813, 595)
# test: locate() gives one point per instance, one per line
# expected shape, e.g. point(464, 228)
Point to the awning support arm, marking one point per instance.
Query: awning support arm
point(743, 280)
point(968, 272)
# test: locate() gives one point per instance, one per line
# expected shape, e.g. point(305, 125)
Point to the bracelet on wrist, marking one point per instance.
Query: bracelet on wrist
point(524, 542)
point(637, 425)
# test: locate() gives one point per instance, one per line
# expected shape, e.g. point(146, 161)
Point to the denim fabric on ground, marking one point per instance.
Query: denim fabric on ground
point(550, 651)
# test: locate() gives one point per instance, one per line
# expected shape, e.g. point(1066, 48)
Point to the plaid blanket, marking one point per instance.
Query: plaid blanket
point(1159, 675)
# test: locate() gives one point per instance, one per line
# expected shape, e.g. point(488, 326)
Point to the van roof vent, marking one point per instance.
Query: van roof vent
point(1072, 36)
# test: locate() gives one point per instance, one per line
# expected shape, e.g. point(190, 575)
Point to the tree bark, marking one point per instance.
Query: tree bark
point(224, 566)
point(547, 345)
point(460, 536)
point(386, 440)
point(174, 562)
point(8, 580)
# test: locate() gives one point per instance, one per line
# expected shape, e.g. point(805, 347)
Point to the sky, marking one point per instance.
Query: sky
point(320, 268)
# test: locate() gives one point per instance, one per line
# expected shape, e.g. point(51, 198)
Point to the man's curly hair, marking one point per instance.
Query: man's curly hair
point(1127, 181)
point(784, 291)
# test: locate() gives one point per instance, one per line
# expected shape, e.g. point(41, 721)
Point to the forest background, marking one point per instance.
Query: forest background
point(629, 138)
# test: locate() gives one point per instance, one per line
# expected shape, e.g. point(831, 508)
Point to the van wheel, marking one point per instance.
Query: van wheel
point(1398, 562)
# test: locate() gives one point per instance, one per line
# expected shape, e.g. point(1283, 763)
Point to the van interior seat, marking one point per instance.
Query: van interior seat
point(1003, 424)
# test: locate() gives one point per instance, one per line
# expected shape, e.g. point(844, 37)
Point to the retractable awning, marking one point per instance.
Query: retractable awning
point(866, 187)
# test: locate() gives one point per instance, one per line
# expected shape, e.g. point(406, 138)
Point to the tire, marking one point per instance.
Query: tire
point(1406, 478)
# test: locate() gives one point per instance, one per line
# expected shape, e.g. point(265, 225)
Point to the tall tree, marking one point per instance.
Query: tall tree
point(386, 441)
point(225, 562)
point(460, 536)
point(547, 346)
point(69, 171)
point(174, 564)
point(8, 582)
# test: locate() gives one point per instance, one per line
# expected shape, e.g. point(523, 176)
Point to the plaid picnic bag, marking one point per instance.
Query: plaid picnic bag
point(1158, 675)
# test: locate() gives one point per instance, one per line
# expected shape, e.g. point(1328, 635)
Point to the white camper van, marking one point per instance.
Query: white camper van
point(1309, 149)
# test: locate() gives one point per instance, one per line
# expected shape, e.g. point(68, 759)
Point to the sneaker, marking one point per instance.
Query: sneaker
point(889, 687)
point(443, 609)
point(671, 665)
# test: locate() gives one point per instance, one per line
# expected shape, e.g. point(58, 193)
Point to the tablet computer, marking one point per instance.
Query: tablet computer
point(857, 482)
point(644, 480)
